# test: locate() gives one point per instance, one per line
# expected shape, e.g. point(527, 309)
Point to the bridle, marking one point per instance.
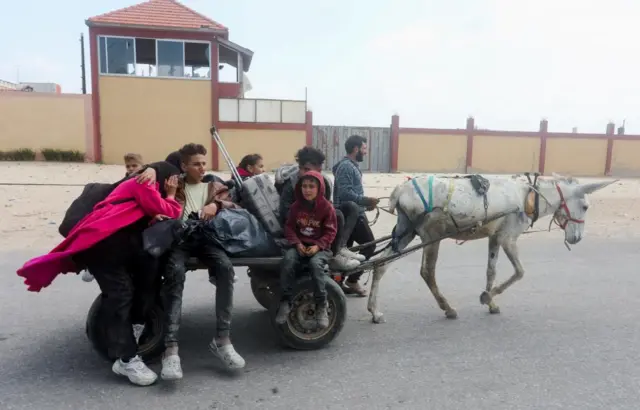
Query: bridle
point(567, 217)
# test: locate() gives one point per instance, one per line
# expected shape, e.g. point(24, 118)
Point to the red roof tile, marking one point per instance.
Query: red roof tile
point(158, 13)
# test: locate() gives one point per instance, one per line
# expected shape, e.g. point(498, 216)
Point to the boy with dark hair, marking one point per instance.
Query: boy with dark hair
point(310, 229)
point(349, 188)
point(312, 159)
point(203, 198)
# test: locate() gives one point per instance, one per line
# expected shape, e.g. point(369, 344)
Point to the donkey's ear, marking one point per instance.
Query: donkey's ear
point(595, 186)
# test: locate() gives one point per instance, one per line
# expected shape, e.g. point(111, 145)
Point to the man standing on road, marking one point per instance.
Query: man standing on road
point(348, 187)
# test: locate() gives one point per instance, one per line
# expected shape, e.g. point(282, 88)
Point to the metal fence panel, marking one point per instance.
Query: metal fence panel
point(330, 140)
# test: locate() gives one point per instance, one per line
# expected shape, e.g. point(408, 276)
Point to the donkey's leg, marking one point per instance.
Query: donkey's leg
point(511, 250)
point(372, 304)
point(492, 260)
point(428, 273)
point(378, 272)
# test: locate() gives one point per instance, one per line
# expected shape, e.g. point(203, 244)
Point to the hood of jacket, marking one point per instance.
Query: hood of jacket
point(320, 200)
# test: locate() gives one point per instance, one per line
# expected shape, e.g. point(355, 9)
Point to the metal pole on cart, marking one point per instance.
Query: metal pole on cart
point(232, 167)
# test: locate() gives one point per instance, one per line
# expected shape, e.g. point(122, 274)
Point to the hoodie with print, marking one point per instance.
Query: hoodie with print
point(311, 222)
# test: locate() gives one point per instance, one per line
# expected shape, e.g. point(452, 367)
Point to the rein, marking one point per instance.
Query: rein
point(560, 220)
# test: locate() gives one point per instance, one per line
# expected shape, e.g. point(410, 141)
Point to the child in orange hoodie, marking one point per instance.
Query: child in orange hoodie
point(310, 229)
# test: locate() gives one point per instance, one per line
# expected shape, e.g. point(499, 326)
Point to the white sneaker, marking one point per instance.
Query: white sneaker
point(342, 263)
point(352, 255)
point(136, 371)
point(227, 355)
point(171, 368)
point(137, 332)
point(87, 276)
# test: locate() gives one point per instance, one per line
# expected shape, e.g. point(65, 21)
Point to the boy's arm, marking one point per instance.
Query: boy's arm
point(290, 231)
point(329, 231)
point(286, 200)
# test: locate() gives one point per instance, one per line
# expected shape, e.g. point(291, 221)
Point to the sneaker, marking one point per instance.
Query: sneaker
point(227, 355)
point(136, 371)
point(322, 316)
point(171, 368)
point(137, 332)
point(87, 276)
point(342, 263)
point(283, 312)
point(352, 255)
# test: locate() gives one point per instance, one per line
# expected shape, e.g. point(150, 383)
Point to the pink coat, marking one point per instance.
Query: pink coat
point(105, 219)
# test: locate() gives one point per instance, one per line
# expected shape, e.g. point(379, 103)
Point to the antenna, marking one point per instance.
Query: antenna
point(82, 66)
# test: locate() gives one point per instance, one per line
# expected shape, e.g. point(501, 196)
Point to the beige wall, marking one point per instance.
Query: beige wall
point(277, 147)
point(152, 116)
point(579, 157)
point(431, 152)
point(43, 120)
point(498, 155)
point(625, 158)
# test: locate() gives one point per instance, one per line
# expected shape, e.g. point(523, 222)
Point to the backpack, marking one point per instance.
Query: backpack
point(91, 195)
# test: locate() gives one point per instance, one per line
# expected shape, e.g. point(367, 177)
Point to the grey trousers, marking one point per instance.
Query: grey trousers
point(219, 266)
point(317, 267)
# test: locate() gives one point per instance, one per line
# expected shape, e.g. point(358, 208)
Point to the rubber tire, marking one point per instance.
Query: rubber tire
point(149, 352)
point(264, 297)
point(335, 295)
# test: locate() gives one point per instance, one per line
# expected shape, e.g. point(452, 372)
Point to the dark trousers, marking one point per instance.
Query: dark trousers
point(317, 268)
point(347, 215)
point(129, 288)
point(361, 234)
point(219, 265)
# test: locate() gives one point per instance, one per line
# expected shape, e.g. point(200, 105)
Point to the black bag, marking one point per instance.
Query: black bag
point(239, 234)
point(162, 236)
point(91, 195)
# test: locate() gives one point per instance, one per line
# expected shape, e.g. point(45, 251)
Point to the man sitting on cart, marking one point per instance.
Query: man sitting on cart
point(349, 188)
point(197, 196)
point(312, 159)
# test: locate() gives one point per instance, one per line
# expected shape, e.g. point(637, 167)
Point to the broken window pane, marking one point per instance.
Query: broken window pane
point(197, 60)
point(228, 59)
point(146, 57)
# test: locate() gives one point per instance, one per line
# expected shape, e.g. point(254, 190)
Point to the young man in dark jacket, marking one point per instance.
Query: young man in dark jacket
point(312, 159)
point(348, 187)
point(310, 229)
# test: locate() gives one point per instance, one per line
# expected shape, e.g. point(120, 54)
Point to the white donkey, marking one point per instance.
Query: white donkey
point(432, 206)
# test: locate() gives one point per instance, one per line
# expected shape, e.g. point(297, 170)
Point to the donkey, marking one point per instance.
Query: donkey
point(456, 201)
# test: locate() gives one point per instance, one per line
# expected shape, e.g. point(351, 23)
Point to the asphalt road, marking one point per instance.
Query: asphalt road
point(568, 338)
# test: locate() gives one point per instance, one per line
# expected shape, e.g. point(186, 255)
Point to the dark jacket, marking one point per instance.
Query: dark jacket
point(311, 223)
point(348, 183)
point(288, 197)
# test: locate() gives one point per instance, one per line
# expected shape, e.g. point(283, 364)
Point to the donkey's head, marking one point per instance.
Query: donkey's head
point(574, 204)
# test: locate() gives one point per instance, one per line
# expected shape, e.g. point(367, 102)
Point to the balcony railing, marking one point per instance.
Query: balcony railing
point(262, 110)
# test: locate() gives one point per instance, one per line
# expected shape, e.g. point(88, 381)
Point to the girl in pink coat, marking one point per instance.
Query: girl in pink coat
point(108, 241)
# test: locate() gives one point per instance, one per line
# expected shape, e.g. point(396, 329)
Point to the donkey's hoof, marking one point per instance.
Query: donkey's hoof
point(378, 318)
point(494, 310)
point(451, 314)
point(485, 298)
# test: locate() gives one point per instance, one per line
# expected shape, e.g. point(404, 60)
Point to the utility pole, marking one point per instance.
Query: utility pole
point(82, 67)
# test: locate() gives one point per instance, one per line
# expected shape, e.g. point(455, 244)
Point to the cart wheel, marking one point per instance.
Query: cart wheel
point(151, 342)
point(300, 331)
point(263, 291)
